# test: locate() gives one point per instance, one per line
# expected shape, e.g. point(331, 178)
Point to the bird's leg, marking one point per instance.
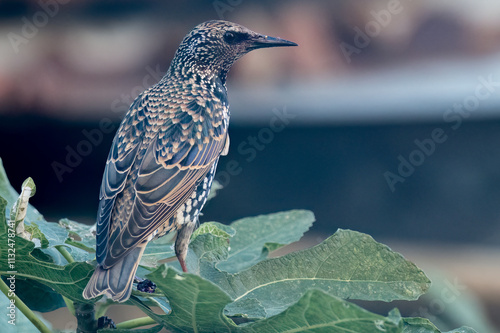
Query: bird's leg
point(182, 242)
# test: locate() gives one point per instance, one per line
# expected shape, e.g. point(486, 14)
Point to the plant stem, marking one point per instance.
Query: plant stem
point(134, 323)
point(85, 317)
point(62, 250)
point(24, 309)
point(101, 308)
point(84, 312)
point(69, 303)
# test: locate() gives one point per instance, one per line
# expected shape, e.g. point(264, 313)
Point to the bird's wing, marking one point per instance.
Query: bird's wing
point(175, 162)
point(121, 158)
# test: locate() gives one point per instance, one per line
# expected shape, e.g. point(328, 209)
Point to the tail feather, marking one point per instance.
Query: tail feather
point(116, 281)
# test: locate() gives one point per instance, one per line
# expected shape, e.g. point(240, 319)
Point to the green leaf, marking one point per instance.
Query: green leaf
point(31, 232)
point(3, 220)
point(22, 324)
point(81, 240)
point(6, 190)
point(349, 265)
point(79, 245)
point(206, 248)
point(158, 250)
point(55, 257)
point(257, 236)
point(31, 184)
point(197, 304)
point(80, 233)
point(297, 292)
point(422, 325)
point(151, 300)
point(210, 248)
point(51, 234)
point(38, 297)
point(320, 312)
point(10, 194)
point(463, 329)
point(79, 254)
point(209, 242)
point(69, 280)
point(214, 228)
point(19, 209)
point(419, 325)
point(35, 228)
point(247, 308)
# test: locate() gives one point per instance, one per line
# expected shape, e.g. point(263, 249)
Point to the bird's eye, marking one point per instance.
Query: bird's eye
point(230, 37)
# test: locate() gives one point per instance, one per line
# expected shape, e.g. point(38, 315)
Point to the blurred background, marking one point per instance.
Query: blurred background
point(386, 120)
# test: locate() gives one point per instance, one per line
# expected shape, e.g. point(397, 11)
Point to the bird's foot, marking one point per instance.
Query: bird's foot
point(145, 285)
point(183, 265)
point(105, 322)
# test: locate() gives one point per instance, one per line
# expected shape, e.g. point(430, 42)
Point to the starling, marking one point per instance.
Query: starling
point(164, 156)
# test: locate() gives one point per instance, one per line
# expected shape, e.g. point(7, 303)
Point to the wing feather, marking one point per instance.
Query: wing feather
point(154, 206)
point(121, 159)
point(142, 193)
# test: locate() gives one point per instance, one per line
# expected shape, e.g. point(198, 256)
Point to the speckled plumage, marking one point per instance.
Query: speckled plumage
point(164, 156)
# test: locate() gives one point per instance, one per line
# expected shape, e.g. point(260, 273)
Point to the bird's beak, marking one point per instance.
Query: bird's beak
point(261, 41)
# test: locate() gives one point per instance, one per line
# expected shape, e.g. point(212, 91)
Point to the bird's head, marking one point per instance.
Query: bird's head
point(211, 48)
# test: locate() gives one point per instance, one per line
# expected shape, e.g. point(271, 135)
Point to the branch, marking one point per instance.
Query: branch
point(85, 317)
point(69, 303)
point(62, 250)
point(134, 323)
